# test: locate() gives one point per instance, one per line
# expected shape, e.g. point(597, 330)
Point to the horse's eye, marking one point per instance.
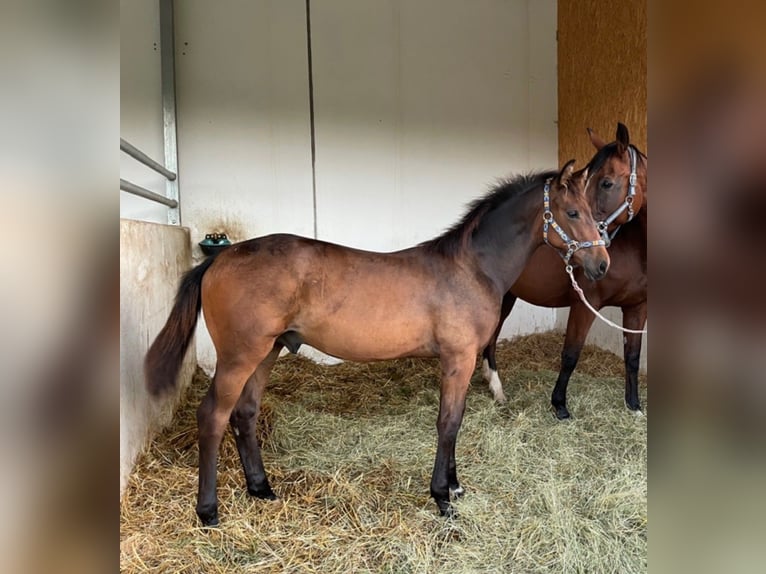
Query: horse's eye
point(607, 184)
point(573, 214)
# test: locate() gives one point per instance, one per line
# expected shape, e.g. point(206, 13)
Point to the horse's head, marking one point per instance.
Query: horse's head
point(569, 225)
point(616, 186)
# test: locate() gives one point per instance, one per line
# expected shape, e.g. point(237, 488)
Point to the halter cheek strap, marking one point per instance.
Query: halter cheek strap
point(626, 204)
point(548, 221)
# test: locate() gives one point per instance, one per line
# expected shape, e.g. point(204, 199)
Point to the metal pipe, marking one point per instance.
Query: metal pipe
point(146, 194)
point(168, 82)
point(140, 156)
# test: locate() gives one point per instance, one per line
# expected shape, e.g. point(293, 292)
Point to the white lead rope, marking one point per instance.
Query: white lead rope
point(595, 312)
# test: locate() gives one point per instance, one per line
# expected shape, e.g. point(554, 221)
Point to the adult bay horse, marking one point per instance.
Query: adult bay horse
point(621, 210)
point(439, 299)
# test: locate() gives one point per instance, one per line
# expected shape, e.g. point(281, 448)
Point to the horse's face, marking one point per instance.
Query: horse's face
point(608, 184)
point(571, 211)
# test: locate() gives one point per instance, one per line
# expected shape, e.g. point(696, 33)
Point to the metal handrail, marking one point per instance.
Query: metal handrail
point(140, 156)
point(131, 187)
point(125, 185)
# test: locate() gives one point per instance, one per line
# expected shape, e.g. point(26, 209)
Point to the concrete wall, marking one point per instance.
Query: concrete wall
point(152, 258)
point(419, 106)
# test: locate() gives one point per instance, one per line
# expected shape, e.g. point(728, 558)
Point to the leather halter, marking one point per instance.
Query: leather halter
point(572, 245)
point(627, 203)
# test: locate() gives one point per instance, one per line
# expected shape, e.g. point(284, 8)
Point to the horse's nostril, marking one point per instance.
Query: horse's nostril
point(603, 267)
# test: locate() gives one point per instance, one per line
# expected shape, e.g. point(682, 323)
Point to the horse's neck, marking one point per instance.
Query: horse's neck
point(641, 216)
point(506, 239)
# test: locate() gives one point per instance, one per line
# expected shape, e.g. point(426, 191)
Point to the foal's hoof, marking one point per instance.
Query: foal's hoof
point(561, 412)
point(208, 518)
point(445, 508)
point(264, 493)
point(448, 512)
point(456, 492)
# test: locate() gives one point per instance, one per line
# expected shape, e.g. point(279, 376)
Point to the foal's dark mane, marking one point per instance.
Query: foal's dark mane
point(608, 151)
point(456, 238)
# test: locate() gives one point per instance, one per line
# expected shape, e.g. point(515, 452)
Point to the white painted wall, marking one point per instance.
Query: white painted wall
point(152, 259)
point(420, 106)
point(243, 118)
point(141, 105)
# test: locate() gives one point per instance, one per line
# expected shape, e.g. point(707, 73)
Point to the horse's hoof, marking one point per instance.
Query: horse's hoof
point(562, 413)
point(449, 512)
point(264, 493)
point(209, 519)
point(456, 492)
point(635, 408)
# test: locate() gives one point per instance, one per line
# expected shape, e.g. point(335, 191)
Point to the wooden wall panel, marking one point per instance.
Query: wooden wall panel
point(602, 54)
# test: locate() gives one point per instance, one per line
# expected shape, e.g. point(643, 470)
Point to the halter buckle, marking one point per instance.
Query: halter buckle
point(633, 179)
point(548, 216)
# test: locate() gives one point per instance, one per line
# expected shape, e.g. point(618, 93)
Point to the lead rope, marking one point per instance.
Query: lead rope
point(593, 309)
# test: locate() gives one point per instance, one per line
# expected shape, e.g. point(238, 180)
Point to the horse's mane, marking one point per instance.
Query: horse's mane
point(457, 237)
point(608, 151)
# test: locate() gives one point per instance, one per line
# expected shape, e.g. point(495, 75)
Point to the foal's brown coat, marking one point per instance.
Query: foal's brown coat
point(439, 299)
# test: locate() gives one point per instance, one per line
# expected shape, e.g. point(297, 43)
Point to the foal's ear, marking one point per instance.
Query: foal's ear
point(623, 138)
point(581, 175)
point(595, 139)
point(566, 173)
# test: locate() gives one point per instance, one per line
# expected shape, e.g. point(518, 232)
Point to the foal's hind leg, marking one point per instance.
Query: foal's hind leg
point(578, 325)
point(244, 420)
point(456, 374)
point(212, 416)
point(633, 318)
point(489, 365)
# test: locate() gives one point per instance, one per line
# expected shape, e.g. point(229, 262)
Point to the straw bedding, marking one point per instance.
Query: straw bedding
point(349, 449)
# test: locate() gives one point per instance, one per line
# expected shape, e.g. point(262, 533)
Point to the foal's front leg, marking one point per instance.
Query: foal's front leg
point(456, 374)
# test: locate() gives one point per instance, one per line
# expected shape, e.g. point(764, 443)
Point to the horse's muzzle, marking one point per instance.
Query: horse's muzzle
point(596, 268)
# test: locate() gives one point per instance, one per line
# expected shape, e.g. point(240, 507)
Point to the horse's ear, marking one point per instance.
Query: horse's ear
point(623, 138)
point(595, 139)
point(566, 173)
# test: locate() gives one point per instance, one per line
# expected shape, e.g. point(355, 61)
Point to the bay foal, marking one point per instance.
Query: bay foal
point(438, 299)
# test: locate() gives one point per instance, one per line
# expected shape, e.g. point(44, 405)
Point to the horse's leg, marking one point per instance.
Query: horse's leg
point(578, 325)
point(212, 416)
point(489, 365)
point(456, 374)
point(244, 420)
point(633, 317)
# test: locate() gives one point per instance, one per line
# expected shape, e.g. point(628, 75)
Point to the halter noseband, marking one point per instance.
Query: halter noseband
point(626, 204)
point(548, 220)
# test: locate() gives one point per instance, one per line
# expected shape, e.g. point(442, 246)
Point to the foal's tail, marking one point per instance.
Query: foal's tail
point(163, 359)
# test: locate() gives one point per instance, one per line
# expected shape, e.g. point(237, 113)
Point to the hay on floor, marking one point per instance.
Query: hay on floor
point(349, 449)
